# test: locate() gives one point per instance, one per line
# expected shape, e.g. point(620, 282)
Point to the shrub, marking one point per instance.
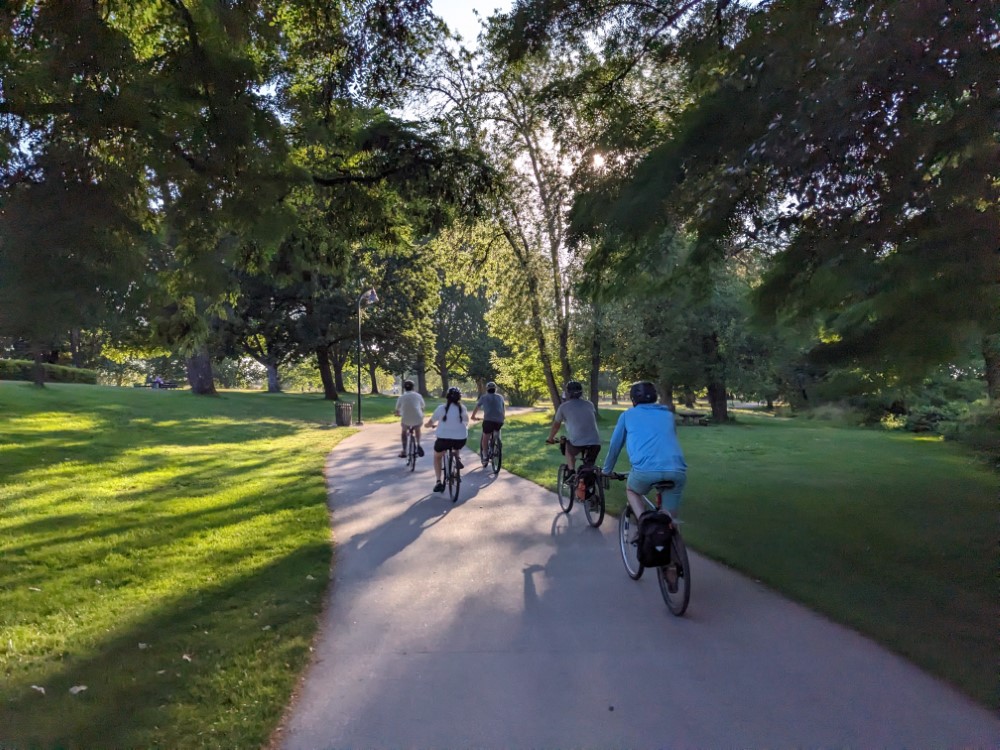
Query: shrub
point(23, 369)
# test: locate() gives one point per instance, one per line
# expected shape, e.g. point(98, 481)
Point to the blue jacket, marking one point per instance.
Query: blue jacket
point(649, 434)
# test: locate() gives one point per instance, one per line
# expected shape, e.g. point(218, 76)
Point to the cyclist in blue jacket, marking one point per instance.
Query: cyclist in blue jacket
point(649, 434)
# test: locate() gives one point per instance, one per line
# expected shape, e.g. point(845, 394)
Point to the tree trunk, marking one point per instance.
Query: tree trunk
point(445, 377)
point(567, 371)
point(372, 373)
point(595, 356)
point(273, 383)
point(991, 354)
point(422, 377)
point(688, 398)
point(614, 395)
point(534, 297)
point(667, 395)
point(717, 399)
point(715, 375)
point(325, 373)
point(74, 347)
point(199, 373)
point(38, 371)
point(338, 369)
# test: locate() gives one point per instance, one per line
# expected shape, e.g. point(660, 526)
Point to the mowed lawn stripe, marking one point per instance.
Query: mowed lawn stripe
point(169, 552)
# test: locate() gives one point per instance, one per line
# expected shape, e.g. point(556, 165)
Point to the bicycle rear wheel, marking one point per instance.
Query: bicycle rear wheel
point(627, 524)
point(675, 579)
point(411, 452)
point(496, 454)
point(454, 476)
point(593, 506)
point(564, 490)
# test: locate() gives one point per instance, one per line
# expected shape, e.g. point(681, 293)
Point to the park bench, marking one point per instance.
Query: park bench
point(164, 384)
point(692, 417)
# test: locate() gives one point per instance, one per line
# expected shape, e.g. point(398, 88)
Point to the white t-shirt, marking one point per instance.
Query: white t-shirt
point(456, 427)
point(410, 406)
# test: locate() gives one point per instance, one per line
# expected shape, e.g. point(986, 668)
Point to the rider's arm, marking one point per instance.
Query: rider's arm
point(615, 447)
point(556, 423)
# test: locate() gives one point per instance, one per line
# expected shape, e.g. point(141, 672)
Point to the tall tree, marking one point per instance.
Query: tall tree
point(862, 163)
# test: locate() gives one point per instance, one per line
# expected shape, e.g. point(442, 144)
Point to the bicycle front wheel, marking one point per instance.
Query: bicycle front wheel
point(627, 525)
point(454, 477)
point(564, 489)
point(497, 455)
point(675, 578)
point(593, 506)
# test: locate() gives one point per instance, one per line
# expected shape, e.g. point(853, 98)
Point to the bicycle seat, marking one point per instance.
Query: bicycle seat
point(666, 484)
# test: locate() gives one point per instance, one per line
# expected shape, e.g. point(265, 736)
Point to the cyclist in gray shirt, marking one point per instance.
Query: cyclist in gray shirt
point(580, 417)
point(491, 403)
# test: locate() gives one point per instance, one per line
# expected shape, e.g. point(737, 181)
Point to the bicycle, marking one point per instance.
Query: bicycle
point(674, 577)
point(568, 485)
point(494, 452)
point(452, 473)
point(411, 449)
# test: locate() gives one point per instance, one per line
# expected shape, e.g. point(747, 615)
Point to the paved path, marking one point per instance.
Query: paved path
point(500, 622)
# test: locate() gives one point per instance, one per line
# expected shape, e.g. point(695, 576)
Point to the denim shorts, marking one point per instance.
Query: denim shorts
point(643, 481)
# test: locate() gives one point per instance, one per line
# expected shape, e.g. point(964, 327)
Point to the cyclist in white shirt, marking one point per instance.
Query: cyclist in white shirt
point(410, 409)
point(452, 430)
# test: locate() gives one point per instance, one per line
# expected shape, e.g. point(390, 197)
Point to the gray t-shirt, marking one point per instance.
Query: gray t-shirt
point(580, 417)
point(492, 406)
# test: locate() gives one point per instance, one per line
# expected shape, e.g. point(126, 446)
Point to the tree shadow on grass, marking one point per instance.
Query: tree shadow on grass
point(245, 641)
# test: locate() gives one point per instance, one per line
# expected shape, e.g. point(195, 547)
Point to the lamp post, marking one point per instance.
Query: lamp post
point(368, 298)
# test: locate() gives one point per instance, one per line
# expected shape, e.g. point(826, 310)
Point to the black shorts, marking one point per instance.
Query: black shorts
point(491, 426)
point(588, 452)
point(443, 444)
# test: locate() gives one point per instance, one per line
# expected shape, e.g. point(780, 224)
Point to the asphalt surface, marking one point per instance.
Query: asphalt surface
point(501, 622)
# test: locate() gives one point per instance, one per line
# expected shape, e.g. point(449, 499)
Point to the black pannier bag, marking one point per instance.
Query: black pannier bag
point(655, 533)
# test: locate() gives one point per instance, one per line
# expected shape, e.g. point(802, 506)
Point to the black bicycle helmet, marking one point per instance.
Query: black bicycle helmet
point(453, 396)
point(491, 387)
point(574, 389)
point(642, 392)
point(407, 385)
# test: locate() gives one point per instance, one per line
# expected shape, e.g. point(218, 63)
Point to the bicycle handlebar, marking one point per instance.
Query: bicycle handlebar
point(615, 475)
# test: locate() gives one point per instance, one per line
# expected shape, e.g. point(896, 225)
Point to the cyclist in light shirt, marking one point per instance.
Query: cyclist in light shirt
point(410, 409)
point(452, 430)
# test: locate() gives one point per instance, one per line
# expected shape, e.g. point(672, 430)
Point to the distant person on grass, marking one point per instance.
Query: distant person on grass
point(649, 434)
point(582, 435)
point(410, 409)
point(452, 431)
point(492, 405)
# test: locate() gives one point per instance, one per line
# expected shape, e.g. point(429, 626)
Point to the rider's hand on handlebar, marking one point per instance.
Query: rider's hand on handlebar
point(550, 441)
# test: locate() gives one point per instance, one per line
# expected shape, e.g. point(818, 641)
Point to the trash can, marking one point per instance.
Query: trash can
point(344, 410)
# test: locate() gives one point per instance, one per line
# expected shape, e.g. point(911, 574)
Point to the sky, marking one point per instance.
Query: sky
point(458, 14)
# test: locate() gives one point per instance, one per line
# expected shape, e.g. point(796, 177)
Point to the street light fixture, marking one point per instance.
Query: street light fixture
point(368, 298)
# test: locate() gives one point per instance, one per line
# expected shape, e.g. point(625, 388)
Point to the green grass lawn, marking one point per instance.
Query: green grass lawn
point(893, 534)
point(169, 552)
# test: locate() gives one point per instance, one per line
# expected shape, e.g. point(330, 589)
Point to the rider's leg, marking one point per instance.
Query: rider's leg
point(483, 442)
point(405, 435)
point(571, 457)
point(437, 465)
point(635, 502)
